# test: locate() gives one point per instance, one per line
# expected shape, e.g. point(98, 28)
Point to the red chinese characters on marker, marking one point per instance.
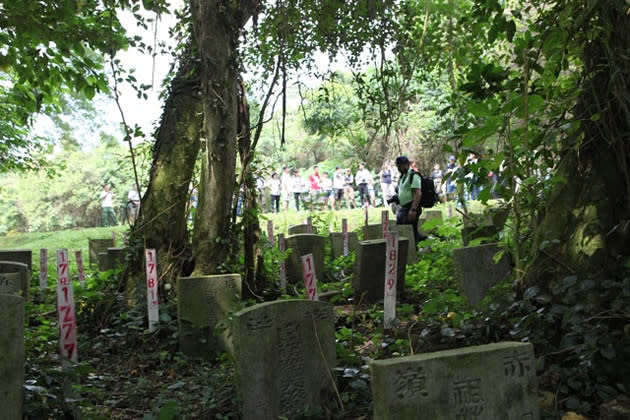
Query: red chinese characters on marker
point(152, 290)
point(385, 222)
point(65, 310)
point(308, 273)
point(391, 272)
point(79, 259)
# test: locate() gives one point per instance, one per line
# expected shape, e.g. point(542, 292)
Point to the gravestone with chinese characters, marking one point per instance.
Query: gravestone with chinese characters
point(406, 231)
point(476, 271)
point(203, 303)
point(298, 229)
point(284, 355)
point(15, 278)
point(375, 230)
point(369, 269)
point(489, 382)
point(336, 243)
point(12, 351)
point(302, 244)
point(24, 256)
point(96, 246)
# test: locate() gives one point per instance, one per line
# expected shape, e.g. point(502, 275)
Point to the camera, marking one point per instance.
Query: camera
point(394, 199)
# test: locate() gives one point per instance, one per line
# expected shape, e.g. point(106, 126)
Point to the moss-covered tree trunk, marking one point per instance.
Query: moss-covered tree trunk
point(163, 206)
point(586, 226)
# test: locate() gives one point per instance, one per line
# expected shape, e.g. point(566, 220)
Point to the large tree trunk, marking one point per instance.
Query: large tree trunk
point(216, 30)
point(163, 207)
point(588, 217)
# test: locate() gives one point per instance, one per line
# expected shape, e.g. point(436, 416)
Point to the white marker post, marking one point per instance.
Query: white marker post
point(309, 225)
point(43, 268)
point(391, 272)
point(65, 310)
point(282, 246)
point(270, 234)
point(152, 290)
point(79, 258)
point(308, 272)
point(344, 236)
point(385, 222)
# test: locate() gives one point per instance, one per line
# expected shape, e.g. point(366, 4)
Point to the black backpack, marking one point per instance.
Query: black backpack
point(429, 197)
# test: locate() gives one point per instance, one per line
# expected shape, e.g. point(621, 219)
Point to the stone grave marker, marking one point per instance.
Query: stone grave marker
point(15, 278)
point(406, 231)
point(12, 360)
point(96, 246)
point(489, 382)
point(369, 269)
point(298, 229)
point(284, 356)
point(476, 271)
point(479, 226)
point(302, 244)
point(336, 243)
point(202, 303)
point(115, 257)
point(103, 261)
point(428, 215)
point(375, 231)
point(24, 256)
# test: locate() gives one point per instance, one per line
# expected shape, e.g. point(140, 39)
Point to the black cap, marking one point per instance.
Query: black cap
point(401, 160)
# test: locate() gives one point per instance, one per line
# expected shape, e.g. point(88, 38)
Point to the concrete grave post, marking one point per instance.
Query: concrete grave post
point(336, 243)
point(15, 278)
point(12, 359)
point(369, 269)
point(202, 303)
point(489, 382)
point(476, 271)
point(406, 231)
point(96, 246)
point(24, 256)
point(302, 244)
point(284, 355)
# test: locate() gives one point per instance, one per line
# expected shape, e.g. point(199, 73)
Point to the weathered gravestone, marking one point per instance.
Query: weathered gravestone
point(284, 353)
point(476, 271)
point(15, 278)
point(24, 256)
point(115, 257)
point(375, 231)
point(202, 303)
point(486, 226)
point(103, 261)
point(406, 231)
point(489, 382)
point(96, 246)
point(12, 359)
point(369, 269)
point(428, 216)
point(302, 244)
point(336, 243)
point(298, 229)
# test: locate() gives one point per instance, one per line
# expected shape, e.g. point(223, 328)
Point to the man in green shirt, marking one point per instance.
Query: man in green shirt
point(409, 194)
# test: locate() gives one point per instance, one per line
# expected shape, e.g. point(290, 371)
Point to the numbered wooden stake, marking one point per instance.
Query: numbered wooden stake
point(65, 310)
point(308, 273)
point(270, 232)
point(283, 266)
point(309, 225)
point(366, 236)
point(43, 268)
point(391, 273)
point(385, 222)
point(114, 237)
point(344, 236)
point(152, 289)
point(79, 258)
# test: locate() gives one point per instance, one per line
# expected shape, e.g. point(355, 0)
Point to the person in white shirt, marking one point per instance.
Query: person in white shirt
point(298, 188)
point(108, 216)
point(133, 207)
point(286, 185)
point(338, 182)
point(362, 179)
point(274, 186)
point(327, 188)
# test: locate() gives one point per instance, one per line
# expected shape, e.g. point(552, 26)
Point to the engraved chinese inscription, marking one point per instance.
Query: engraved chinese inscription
point(410, 382)
point(469, 403)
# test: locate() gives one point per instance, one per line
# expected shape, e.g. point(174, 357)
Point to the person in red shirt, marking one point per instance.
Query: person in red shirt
point(316, 186)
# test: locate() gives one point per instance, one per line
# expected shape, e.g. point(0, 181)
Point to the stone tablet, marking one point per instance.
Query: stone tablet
point(284, 356)
point(103, 261)
point(490, 382)
point(97, 246)
point(115, 257)
point(202, 303)
point(15, 278)
point(428, 215)
point(24, 256)
point(12, 360)
point(336, 243)
point(476, 271)
point(406, 231)
point(369, 269)
point(302, 244)
point(297, 229)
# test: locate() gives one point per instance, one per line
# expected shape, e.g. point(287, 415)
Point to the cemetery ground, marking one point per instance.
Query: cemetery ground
point(126, 371)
